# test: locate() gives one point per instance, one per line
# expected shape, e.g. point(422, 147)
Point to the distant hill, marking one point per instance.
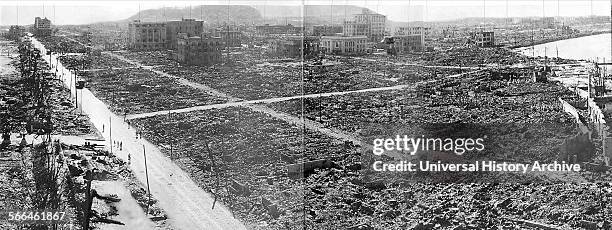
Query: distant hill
point(208, 13)
point(314, 14)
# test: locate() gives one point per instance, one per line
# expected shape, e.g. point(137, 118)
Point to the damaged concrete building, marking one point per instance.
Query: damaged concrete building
point(399, 44)
point(191, 27)
point(326, 30)
point(147, 35)
point(296, 46)
point(267, 29)
point(483, 38)
point(369, 24)
point(344, 45)
point(42, 27)
point(229, 37)
point(198, 50)
point(15, 32)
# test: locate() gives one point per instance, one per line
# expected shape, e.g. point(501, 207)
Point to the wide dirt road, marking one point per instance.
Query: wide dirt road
point(187, 205)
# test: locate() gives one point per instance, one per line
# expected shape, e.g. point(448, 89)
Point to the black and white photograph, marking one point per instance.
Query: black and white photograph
point(306, 114)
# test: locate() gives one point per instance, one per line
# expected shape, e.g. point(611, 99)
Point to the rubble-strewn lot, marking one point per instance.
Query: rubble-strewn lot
point(253, 80)
point(354, 74)
point(243, 82)
point(15, 185)
point(61, 44)
point(474, 98)
point(16, 99)
point(463, 56)
point(138, 91)
point(149, 58)
point(340, 201)
point(90, 61)
point(249, 147)
point(107, 168)
point(523, 121)
point(255, 149)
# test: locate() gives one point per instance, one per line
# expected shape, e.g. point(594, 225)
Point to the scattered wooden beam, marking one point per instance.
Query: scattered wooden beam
point(300, 168)
point(534, 224)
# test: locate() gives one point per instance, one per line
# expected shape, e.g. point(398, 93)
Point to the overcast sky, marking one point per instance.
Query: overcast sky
point(84, 12)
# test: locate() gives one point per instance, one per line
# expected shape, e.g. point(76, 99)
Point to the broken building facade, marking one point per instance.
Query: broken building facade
point(369, 24)
point(405, 43)
point(147, 35)
point(326, 30)
point(344, 45)
point(414, 30)
point(229, 37)
point(483, 39)
point(296, 46)
point(265, 30)
point(191, 27)
point(198, 50)
point(42, 27)
point(15, 32)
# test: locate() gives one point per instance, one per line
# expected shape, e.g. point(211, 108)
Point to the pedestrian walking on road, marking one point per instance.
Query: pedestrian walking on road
point(102, 127)
point(121, 145)
point(129, 159)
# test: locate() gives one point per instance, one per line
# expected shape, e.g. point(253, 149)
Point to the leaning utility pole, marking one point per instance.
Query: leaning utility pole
point(147, 175)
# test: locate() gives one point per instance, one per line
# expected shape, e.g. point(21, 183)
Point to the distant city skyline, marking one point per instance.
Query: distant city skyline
point(86, 12)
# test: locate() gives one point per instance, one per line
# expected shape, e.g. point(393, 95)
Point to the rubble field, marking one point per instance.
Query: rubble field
point(282, 79)
point(514, 117)
point(149, 58)
point(249, 147)
point(255, 150)
point(15, 183)
point(342, 201)
point(91, 61)
point(107, 168)
point(139, 91)
point(464, 56)
point(261, 79)
point(475, 98)
point(61, 44)
point(16, 99)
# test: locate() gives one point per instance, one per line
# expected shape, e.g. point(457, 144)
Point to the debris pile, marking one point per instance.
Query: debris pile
point(138, 91)
point(106, 167)
point(17, 99)
point(62, 44)
point(90, 61)
point(246, 148)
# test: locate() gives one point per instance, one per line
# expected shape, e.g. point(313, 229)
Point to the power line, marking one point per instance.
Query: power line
point(331, 12)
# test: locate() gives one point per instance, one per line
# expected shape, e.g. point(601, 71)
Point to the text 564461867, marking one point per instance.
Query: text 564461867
point(34, 216)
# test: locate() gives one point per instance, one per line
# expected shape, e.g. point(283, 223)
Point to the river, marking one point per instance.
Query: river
point(596, 47)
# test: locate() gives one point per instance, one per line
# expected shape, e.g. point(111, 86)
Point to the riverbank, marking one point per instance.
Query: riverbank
point(544, 41)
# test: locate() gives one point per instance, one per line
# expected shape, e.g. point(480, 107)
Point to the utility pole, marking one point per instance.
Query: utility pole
point(88, 199)
point(76, 93)
point(110, 133)
point(144, 153)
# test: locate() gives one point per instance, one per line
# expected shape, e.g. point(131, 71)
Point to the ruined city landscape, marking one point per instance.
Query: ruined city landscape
point(266, 114)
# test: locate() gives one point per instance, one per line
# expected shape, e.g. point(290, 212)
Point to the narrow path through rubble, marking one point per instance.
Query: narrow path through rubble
point(118, 68)
point(239, 102)
point(414, 64)
point(263, 101)
point(235, 101)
